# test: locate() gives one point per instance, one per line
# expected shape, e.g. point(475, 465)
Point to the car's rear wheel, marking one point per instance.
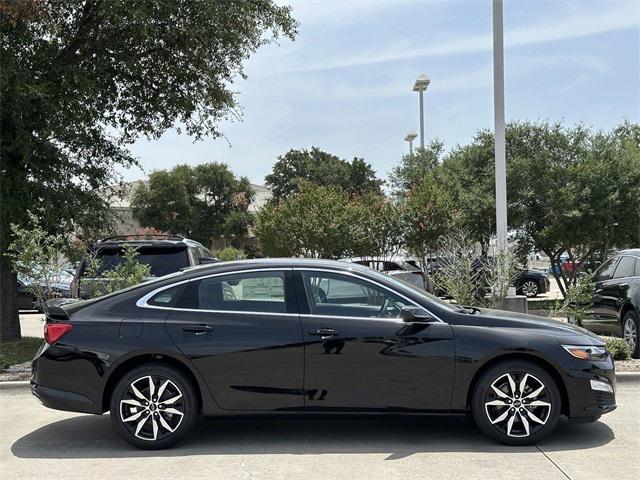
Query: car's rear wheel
point(516, 403)
point(630, 328)
point(529, 288)
point(153, 406)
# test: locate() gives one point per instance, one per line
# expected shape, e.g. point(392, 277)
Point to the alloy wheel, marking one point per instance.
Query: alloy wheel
point(517, 404)
point(530, 288)
point(630, 333)
point(152, 407)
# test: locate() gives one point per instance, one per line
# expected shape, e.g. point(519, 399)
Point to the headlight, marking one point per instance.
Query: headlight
point(589, 352)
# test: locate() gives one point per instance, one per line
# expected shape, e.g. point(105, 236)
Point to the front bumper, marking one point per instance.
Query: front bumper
point(585, 400)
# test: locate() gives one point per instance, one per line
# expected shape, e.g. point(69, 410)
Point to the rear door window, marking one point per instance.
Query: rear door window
point(242, 292)
point(626, 268)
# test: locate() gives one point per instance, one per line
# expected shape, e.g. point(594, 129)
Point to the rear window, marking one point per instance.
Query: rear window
point(162, 261)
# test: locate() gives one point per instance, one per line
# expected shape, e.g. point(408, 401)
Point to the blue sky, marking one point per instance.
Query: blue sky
point(344, 85)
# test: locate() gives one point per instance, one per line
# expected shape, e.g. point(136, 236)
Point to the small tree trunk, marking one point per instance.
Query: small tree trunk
point(9, 320)
point(555, 262)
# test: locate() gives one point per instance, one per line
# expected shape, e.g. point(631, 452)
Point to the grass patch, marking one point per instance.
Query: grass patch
point(18, 351)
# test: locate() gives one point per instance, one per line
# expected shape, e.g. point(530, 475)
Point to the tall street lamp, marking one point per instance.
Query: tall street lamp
point(498, 119)
point(422, 82)
point(410, 137)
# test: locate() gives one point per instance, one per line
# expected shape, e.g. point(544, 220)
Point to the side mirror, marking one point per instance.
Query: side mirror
point(411, 314)
point(205, 260)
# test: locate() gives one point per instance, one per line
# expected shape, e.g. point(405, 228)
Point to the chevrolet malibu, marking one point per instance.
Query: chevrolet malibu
point(311, 336)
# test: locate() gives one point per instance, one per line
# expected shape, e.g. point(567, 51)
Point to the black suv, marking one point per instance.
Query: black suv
point(616, 300)
point(165, 254)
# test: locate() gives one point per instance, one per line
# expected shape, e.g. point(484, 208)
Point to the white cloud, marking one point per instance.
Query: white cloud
point(613, 17)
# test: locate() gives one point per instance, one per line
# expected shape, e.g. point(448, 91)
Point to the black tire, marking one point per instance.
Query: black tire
point(166, 426)
point(529, 288)
point(630, 324)
point(519, 432)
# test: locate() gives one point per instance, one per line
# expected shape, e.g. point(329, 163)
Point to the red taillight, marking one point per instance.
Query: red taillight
point(55, 331)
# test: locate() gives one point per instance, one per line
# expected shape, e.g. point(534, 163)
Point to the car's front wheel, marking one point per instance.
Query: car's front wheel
point(153, 406)
point(516, 403)
point(630, 327)
point(529, 288)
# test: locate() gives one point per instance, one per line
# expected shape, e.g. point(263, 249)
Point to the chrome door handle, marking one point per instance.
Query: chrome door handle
point(198, 328)
point(323, 332)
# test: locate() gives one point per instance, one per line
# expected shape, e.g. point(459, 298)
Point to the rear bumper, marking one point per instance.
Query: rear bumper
point(63, 400)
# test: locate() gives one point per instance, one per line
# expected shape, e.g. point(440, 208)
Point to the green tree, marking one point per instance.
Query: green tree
point(377, 227)
point(314, 222)
point(202, 201)
point(37, 256)
point(314, 166)
point(413, 167)
point(428, 215)
point(467, 174)
point(82, 79)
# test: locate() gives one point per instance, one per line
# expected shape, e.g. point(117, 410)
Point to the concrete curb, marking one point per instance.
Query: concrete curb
point(621, 377)
point(14, 385)
point(628, 377)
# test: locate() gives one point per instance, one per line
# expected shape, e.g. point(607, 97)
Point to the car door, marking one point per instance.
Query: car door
point(615, 295)
point(597, 315)
point(242, 332)
point(360, 356)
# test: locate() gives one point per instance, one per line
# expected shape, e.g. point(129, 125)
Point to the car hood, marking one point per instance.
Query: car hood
point(502, 318)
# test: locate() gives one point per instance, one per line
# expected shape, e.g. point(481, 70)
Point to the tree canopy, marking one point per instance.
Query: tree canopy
point(201, 202)
point(320, 168)
point(81, 79)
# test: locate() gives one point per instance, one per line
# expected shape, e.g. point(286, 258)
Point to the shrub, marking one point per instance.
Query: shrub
point(229, 253)
point(128, 273)
point(4, 362)
point(618, 348)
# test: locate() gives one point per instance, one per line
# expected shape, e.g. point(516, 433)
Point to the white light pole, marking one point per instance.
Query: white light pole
point(498, 117)
point(422, 82)
point(410, 137)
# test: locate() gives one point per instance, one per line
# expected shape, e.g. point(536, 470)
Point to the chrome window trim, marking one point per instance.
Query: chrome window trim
point(142, 301)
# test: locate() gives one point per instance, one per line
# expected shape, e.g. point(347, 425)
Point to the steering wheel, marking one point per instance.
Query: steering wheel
point(390, 309)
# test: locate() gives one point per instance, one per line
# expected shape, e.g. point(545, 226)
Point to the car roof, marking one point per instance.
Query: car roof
point(257, 263)
point(632, 251)
point(146, 241)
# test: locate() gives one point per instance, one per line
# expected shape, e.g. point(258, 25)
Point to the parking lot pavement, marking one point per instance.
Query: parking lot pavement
point(37, 442)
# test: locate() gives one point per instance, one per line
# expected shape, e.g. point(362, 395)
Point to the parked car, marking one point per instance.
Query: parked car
point(527, 282)
point(615, 306)
point(311, 336)
point(532, 283)
point(165, 254)
point(404, 268)
point(61, 288)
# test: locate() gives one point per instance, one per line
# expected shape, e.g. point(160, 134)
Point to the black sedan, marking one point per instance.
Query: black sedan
point(532, 283)
point(311, 336)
